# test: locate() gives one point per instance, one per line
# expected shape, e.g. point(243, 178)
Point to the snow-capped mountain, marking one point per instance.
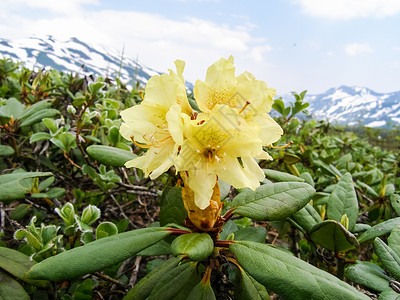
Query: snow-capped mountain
point(344, 105)
point(356, 105)
point(74, 55)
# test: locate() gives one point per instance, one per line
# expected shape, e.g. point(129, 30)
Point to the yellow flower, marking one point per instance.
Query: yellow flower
point(156, 123)
point(221, 144)
point(252, 98)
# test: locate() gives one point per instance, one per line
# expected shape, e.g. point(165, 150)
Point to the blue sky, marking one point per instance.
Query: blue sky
point(293, 45)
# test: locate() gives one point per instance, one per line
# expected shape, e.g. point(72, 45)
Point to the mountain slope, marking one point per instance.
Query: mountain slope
point(74, 55)
point(356, 105)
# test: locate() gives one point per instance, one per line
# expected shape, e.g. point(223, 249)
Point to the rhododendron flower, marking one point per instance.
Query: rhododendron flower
point(156, 123)
point(244, 93)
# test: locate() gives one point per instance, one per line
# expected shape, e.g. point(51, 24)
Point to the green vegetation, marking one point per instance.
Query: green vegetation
point(329, 208)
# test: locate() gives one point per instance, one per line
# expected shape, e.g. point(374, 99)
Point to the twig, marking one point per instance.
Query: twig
point(122, 211)
point(135, 271)
point(2, 218)
point(108, 278)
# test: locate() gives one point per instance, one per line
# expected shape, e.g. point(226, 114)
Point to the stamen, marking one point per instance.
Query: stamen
point(141, 94)
point(281, 147)
point(140, 145)
point(244, 107)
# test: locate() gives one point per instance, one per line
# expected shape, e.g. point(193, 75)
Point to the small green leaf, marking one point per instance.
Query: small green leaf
point(248, 288)
point(10, 289)
point(202, 291)
point(172, 209)
point(13, 108)
point(12, 187)
point(106, 229)
point(39, 116)
point(389, 294)
point(333, 236)
point(253, 234)
point(109, 155)
point(34, 108)
point(96, 255)
point(343, 200)
point(389, 259)
point(307, 217)
point(90, 214)
point(84, 290)
point(20, 212)
point(17, 264)
point(274, 201)
point(395, 202)
point(394, 240)
point(379, 229)
point(196, 246)
point(281, 176)
point(6, 150)
point(368, 274)
point(227, 229)
point(288, 276)
point(143, 288)
point(177, 283)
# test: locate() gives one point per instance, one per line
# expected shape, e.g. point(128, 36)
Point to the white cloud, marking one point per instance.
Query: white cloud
point(349, 9)
point(357, 48)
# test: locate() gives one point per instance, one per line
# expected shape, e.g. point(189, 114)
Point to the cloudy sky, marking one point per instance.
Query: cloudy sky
point(293, 45)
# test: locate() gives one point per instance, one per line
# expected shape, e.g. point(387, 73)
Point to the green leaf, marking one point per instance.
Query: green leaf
point(343, 200)
point(6, 150)
point(12, 187)
point(281, 176)
point(84, 290)
point(20, 212)
point(96, 255)
point(34, 108)
point(288, 276)
point(389, 259)
point(39, 116)
point(379, 229)
point(160, 248)
point(202, 291)
point(65, 141)
point(389, 294)
point(279, 106)
point(109, 155)
point(10, 289)
point(17, 264)
point(308, 178)
point(395, 202)
point(394, 240)
point(307, 217)
point(51, 125)
point(39, 136)
point(177, 283)
point(368, 274)
point(13, 108)
point(106, 229)
point(333, 236)
point(253, 234)
point(55, 192)
point(248, 288)
point(143, 288)
point(46, 183)
point(227, 229)
point(90, 214)
point(196, 246)
point(274, 201)
point(172, 209)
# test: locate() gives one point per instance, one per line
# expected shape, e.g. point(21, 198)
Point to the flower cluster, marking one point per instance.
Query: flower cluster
point(222, 140)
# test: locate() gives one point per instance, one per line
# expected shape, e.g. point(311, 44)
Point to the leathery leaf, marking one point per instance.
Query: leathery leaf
point(96, 255)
